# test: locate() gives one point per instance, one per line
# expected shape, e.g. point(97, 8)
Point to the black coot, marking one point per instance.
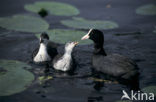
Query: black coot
point(114, 64)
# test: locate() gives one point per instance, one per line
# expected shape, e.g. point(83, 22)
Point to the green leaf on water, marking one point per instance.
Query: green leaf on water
point(149, 9)
point(103, 80)
point(54, 8)
point(15, 79)
point(42, 79)
point(81, 23)
point(24, 23)
point(64, 36)
point(150, 89)
point(2, 71)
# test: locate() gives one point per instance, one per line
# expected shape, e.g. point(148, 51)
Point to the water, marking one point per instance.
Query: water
point(80, 87)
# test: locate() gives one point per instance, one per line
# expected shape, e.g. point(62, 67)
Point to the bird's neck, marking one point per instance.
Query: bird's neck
point(67, 53)
point(67, 56)
point(98, 49)
point(43, 47)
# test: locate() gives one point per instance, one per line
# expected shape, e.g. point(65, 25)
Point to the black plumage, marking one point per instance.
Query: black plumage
point(114, 64)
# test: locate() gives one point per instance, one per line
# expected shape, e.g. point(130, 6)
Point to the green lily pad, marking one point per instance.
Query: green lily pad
point(54, 8)
point(103, 80)
point(149, 9)
point(150, 89)
point(81, 23)
point(64, 36)
point(24, 23)
point(2, 71)
point(15, 79)
point(43, 79)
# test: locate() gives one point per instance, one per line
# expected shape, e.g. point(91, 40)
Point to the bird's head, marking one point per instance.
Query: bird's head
point(69, 46)
point(44, 38)
point(95, 35)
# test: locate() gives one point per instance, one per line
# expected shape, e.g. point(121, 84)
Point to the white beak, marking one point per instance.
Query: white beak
point(86, 36)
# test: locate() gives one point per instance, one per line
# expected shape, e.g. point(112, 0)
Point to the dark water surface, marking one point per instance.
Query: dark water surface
point(139, 44)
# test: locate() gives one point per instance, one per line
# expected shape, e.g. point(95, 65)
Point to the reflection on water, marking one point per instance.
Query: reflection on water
point(95, 99)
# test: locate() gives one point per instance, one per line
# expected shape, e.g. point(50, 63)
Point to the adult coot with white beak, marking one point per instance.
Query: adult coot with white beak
point(114, 64)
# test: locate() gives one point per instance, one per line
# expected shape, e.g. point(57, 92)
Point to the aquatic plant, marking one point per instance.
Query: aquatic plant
point(54, 8)
point(149, 9)
point(24, 23)
point(81, 23)
point(14, 78)
point(64, 35)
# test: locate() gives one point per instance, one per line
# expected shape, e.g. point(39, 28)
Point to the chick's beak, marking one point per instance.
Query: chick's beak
point(75, 43)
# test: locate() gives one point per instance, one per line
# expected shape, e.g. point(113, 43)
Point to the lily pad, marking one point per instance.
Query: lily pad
point(2, 71)
point(103, 80)
point(24, 23)
point(64, 36)
point(54, 8)
point(149, 9)
point(150, 89)
point(15, 79)
point(43, 79)
point(81, 23)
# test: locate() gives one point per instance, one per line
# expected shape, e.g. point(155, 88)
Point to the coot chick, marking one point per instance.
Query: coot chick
point(66, 61)
point(46, 51)
point(115, 65)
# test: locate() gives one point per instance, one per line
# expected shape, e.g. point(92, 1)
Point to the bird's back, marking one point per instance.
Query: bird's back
point(114, 64)
point(52, 51)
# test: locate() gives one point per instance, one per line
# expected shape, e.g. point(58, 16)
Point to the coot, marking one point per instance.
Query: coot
point(114, 65)
point(65, 62)
point(46, 51)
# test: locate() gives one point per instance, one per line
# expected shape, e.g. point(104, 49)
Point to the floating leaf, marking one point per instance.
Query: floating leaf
point(54, 8)
point(41, 78)
point(81, 23)
point(44, 78)
point(15, 79)
point(2, 71)
point(102, 80)
point(149, 9)
point(63, 36)
point(24, 23)
point(150, 89)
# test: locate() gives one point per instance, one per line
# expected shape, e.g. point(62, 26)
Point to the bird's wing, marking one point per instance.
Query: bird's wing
point(35, 52)
point(53, 44)
point(52, 51)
